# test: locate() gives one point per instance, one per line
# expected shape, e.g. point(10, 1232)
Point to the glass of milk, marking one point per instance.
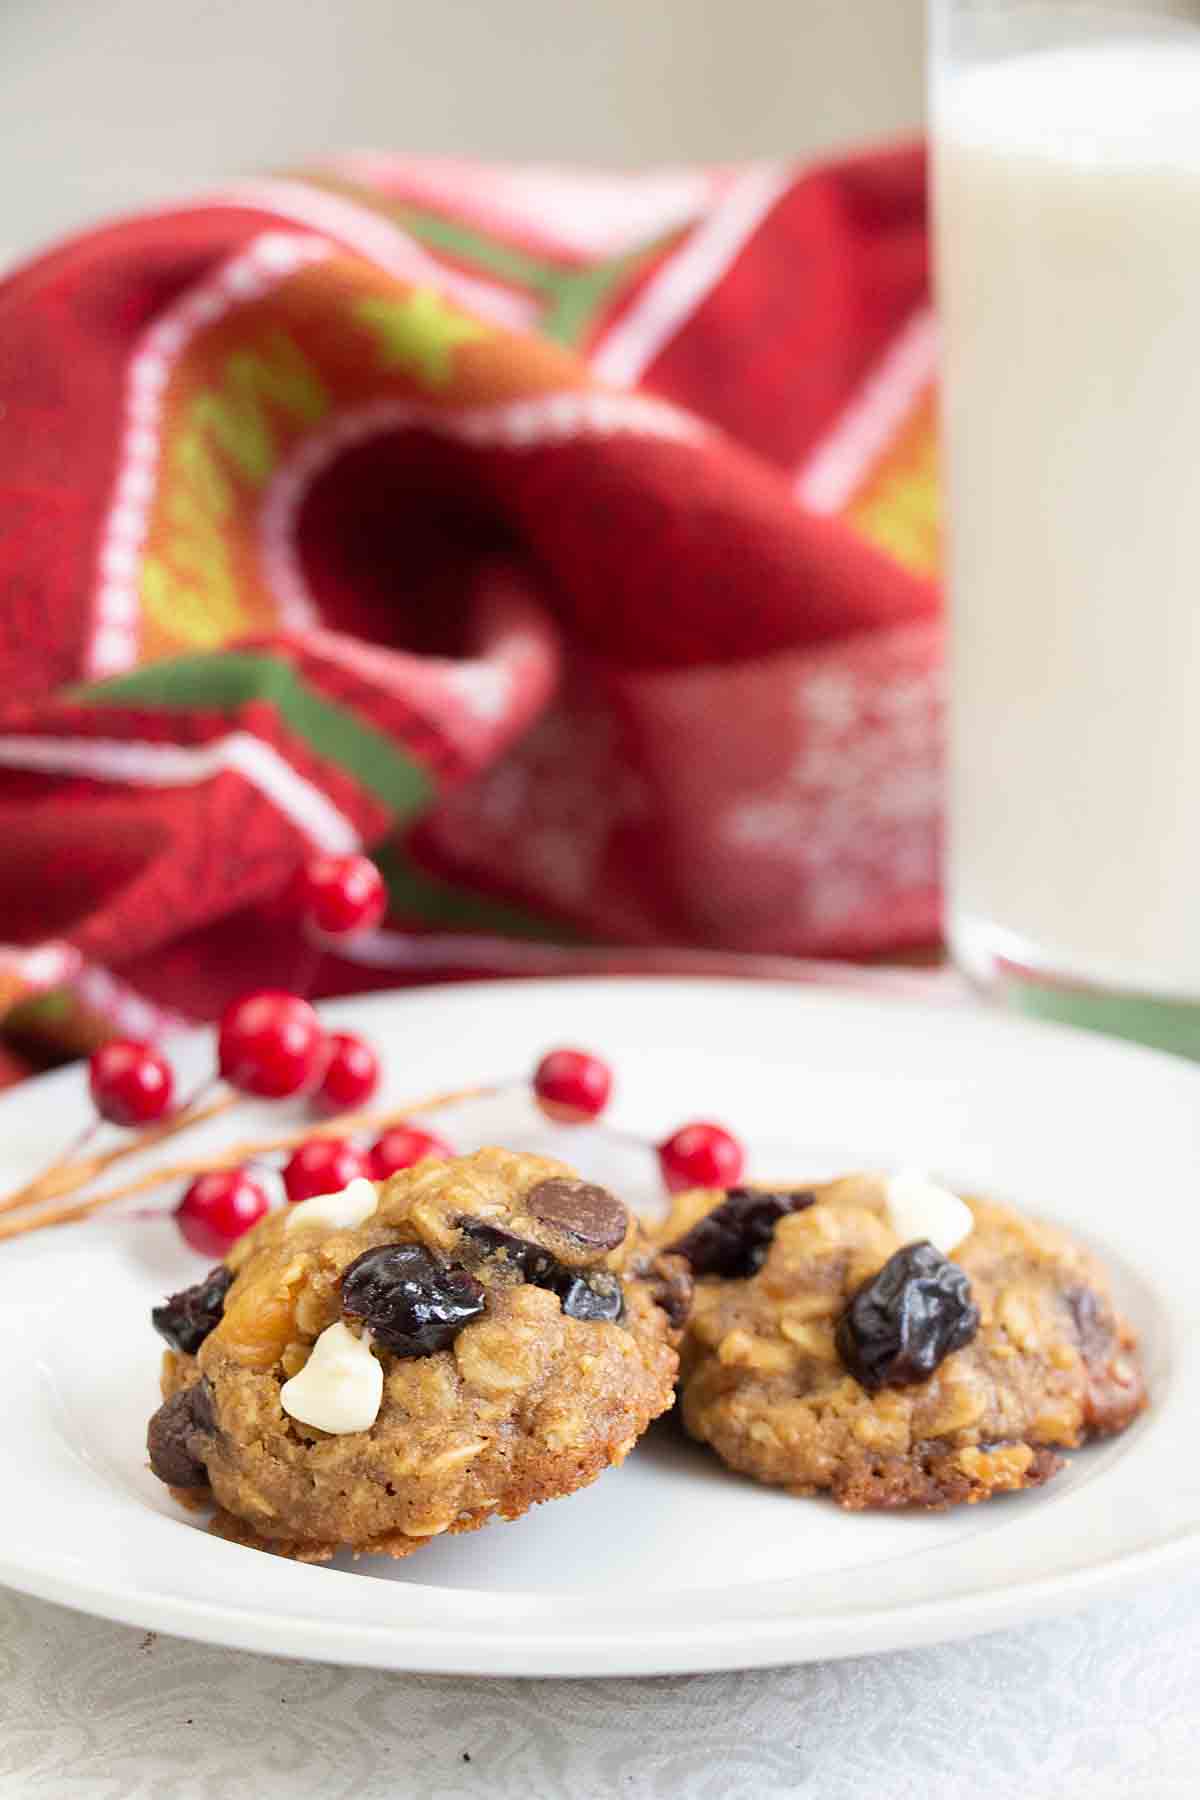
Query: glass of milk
point(1067, 198)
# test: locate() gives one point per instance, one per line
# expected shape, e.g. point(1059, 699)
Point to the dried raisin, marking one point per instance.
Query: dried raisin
point(583, 1294)
point(410, 1302)
point(185, 1319)
point(177, 1432)
point(734, 1238)
point(907, 1319)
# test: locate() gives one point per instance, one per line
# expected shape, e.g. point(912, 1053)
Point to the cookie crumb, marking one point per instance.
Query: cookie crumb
point(149, 1641)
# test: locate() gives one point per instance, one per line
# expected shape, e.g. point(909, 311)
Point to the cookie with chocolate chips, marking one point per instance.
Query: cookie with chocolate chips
point(375, 1369)
point(830, 1349)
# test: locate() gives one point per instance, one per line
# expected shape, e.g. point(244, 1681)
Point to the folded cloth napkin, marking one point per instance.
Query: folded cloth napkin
point(568, 539)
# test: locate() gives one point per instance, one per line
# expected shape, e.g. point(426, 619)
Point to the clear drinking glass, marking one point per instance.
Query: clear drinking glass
point(1066, 143)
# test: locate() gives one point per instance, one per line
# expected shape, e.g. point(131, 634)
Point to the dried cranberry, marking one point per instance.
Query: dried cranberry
point(907, 1319)
point(583, 1294)
point(176, 1434)
point(185, 1319)
point(734, 1238)
point(410, 1302)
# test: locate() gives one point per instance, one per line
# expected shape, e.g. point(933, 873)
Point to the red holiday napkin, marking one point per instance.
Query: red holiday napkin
point(568, 539)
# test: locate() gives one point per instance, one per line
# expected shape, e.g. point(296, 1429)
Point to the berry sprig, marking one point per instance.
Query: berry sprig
point(131, 1085)
point(271, 1045)
point(572, 1087)
point(73, 1171)
point(237, 1157)
point(224, 1195)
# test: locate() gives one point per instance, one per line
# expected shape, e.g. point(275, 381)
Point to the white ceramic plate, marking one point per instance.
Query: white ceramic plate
point(669, 1563)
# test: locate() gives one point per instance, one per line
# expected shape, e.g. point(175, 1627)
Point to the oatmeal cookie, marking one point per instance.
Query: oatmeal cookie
point(828, 1350)
point(376, 1367)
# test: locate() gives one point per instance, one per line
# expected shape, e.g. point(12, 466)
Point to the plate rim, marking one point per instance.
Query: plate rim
point(672, 1651)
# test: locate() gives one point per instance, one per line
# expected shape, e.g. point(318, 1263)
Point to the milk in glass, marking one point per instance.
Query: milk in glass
point(1068, 187)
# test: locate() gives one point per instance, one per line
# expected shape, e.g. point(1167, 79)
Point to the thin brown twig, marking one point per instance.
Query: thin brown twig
point(234, 1156)
point(67, 1177)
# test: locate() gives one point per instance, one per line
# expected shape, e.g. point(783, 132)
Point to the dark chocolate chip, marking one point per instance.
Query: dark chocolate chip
point(592, 1295)
point(907, 1319)
point(580, 1210)
point(734, 1238)
point(176, 1432)
point(411, 1303)
point(186, 1318)
point(583, 1294)
point(529, 1260)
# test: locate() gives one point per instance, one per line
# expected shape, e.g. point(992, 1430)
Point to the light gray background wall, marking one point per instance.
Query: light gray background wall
point(106, 103)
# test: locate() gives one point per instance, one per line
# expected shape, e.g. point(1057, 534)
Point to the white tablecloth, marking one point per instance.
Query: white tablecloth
point(1103, 1705)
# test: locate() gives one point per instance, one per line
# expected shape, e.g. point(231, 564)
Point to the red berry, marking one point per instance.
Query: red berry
point(131, 1083)
point(572, 1086)
point(351, 1074)
point(271, 1044)
point(400, 1148)
point(700, 1155)
point(322, 1166)
point(217, 1208)
point(342, 895)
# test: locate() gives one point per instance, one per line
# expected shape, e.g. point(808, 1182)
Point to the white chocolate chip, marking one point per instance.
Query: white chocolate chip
point(341, 1212)
point(919, 1208)
point(340, 1386)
